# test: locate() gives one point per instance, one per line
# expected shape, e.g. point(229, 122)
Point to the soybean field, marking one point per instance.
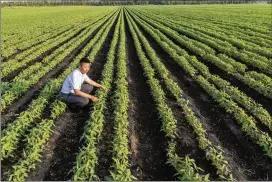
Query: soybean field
point(189, 93)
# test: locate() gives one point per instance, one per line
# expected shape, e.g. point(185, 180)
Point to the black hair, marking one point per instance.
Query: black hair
point(84, 60)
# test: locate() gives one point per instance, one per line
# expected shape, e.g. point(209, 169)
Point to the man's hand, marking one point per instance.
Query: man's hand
point(105, 89)
point(94, 99)
point(91, 82)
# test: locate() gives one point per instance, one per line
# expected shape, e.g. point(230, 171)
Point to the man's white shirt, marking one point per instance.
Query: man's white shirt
point(74, 81)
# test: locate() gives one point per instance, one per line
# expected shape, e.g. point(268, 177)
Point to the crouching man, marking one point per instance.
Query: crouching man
point(77, 86)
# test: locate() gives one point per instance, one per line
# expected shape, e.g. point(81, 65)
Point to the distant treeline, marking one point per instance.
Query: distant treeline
point(123, 2)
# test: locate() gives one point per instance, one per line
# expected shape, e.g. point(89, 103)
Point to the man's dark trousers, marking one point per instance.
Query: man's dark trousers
point(75, 101)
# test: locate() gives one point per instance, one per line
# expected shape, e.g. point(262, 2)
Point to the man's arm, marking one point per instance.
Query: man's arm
point(76, 87)
point(88, 96)
point(91, 82)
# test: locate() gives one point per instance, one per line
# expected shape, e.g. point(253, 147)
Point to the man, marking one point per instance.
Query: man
point(77, 86)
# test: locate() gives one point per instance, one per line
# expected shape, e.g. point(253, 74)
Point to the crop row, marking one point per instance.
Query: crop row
point(120, 170)
point(220, 42)
point(213, 153)
point(57, 108)
point(16, 129)
point(208, 55)
point(87, 158)
point(210, 28)
point(248, 103)
point(247, 123)
point(21, 85)
point(22, 32)
point(33, 53)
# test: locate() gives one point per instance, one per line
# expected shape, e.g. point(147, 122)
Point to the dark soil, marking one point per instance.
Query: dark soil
point(105, 144)
point(68, 145)
point(11, 112)
point(64, 126)
point(147, 141)
point(221, 127)
point(259, 98)
point(54, 141)
point(7, 164)
point(187, 142)
point(256, 96)
point(249, 67)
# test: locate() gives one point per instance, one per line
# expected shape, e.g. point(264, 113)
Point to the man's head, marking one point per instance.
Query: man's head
point(84, 65)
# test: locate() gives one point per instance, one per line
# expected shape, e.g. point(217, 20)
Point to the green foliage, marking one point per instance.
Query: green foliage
point(185, 167)
point(120, 150)
point(87, 159)
point(23, 167)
